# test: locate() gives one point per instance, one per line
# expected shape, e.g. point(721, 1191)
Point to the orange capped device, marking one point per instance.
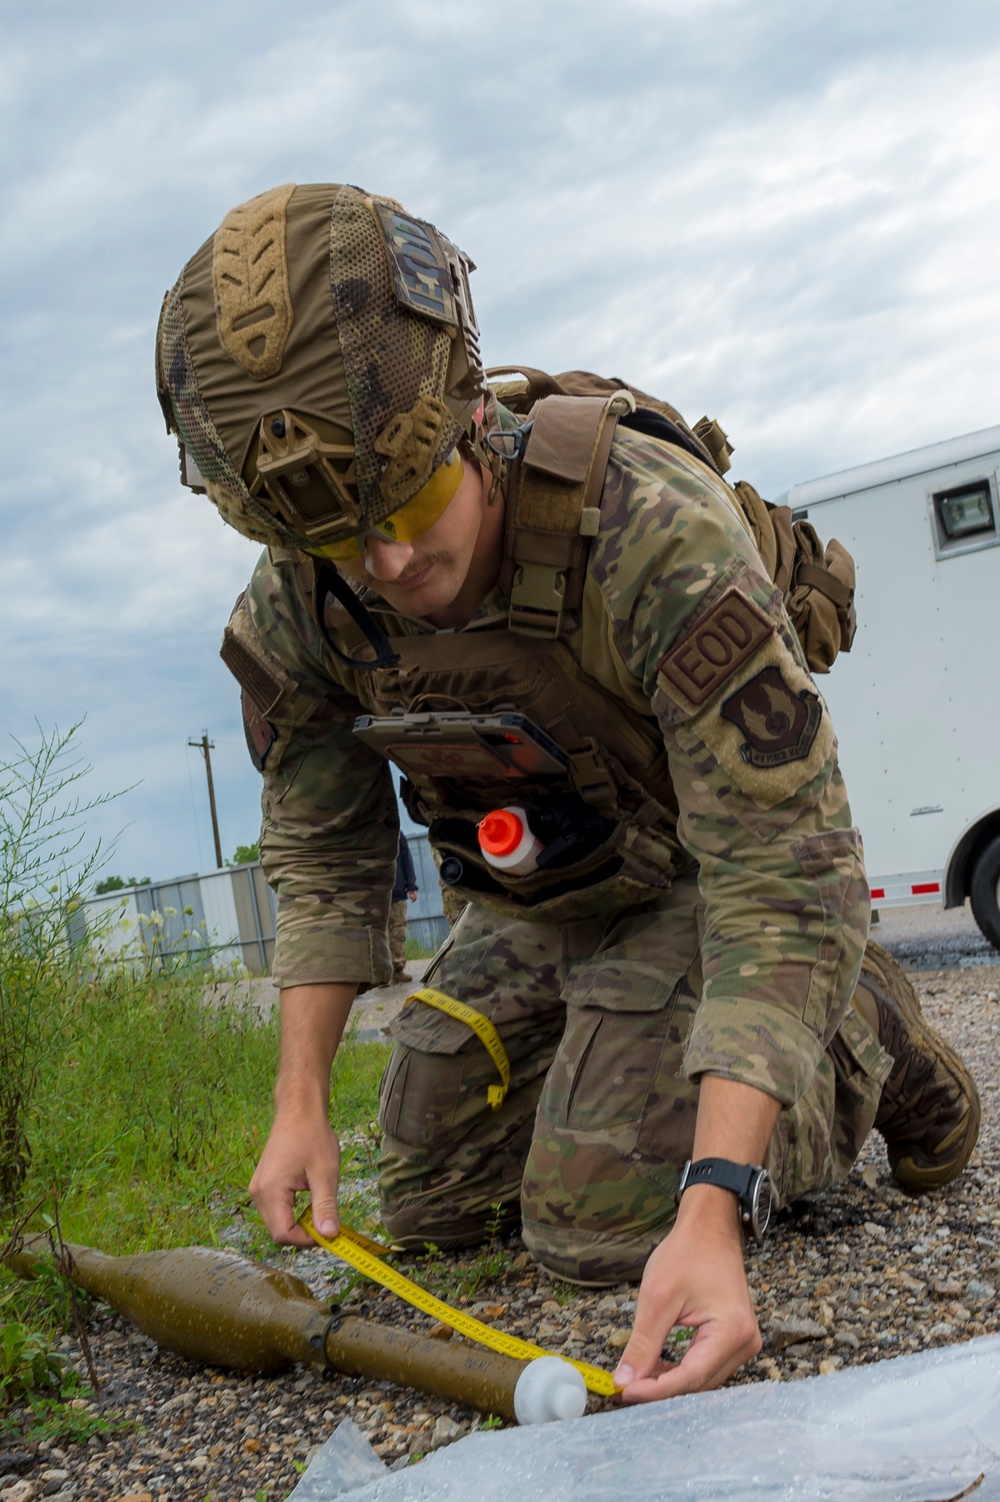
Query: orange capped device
point(507, 842)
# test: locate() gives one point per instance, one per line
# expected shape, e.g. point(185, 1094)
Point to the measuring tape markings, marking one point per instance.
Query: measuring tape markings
point(357, 1250)
point(484, 1030)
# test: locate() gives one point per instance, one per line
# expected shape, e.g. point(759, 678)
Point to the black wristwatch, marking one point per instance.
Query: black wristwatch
point(751, 1186)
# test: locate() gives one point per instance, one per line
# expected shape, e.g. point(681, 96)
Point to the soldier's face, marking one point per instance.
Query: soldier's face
point(444, 575)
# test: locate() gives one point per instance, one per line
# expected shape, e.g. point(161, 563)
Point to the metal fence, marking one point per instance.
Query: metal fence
point(226, 917)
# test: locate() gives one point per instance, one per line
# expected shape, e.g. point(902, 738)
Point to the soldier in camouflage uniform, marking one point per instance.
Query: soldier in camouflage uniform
point(680, 991)
point(404, 890)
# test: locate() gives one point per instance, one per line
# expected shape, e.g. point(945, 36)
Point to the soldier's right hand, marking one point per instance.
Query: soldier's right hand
point(302, 1156)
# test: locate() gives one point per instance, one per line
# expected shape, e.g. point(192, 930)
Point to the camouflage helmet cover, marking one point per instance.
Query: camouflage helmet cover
point(318, 359)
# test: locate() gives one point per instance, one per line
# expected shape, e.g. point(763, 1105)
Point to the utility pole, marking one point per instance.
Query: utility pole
point(205, 746)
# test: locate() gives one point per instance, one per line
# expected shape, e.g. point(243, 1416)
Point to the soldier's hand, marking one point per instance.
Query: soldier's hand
point(694, 1278)
point(302, 1155)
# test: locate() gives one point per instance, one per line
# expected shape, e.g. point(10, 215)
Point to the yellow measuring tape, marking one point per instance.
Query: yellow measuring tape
point(483, 1029)
point(357, 1250)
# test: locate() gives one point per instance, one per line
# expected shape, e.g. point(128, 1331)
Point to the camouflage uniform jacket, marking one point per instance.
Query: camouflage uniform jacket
point(679, 621)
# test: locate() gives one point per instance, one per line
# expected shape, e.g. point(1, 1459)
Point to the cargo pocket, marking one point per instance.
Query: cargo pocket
point(421, 1093)
point(618, 1024)
point(432, 1071)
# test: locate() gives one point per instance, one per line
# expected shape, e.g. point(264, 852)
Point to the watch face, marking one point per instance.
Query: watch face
point(763, 1200)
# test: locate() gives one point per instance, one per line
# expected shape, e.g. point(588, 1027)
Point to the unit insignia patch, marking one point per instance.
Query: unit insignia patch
point(779, 724)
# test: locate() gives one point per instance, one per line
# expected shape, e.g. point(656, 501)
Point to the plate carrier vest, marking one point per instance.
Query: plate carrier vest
point(610, 815)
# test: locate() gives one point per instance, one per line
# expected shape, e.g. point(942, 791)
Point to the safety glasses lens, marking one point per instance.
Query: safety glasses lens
point(412, 520)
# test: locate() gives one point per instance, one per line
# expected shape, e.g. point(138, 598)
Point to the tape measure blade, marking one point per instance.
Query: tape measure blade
point(346, 1246)
point(375, 1248)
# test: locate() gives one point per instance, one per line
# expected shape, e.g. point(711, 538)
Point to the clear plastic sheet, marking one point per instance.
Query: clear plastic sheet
point(914, 1429)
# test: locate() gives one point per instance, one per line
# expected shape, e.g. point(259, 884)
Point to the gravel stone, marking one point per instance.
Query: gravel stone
point(12, 1462)
point(445, 1432)
point(787, 1333)
point(21, 1490)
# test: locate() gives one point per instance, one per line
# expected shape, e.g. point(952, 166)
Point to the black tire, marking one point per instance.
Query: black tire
point(984, 891)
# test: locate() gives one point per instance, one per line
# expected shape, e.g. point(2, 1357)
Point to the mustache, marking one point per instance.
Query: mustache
point(410, 572)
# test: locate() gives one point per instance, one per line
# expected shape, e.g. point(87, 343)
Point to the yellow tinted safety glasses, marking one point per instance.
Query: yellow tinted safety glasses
point(415, 517)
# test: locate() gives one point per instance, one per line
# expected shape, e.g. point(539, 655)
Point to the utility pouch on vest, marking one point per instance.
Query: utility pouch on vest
point(817, 583)
point(481, 747)
point(607, 818)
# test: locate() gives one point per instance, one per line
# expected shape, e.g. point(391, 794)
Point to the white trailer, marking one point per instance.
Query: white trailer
point(916, 704)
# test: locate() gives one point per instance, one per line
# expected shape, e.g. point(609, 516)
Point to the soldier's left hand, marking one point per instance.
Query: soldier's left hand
point(694, 1278)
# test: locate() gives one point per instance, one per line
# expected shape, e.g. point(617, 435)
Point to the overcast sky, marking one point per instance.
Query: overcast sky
point(784, 215)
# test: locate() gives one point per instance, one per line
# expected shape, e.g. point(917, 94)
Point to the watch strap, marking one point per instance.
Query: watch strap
point(736, 1177)
point(749, 1182)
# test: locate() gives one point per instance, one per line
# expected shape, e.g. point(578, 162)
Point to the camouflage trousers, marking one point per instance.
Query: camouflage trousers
point(599, 1118)
point(397, 936)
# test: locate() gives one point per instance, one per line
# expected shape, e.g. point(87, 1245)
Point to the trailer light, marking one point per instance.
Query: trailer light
point(964, 517)
point(965, 511)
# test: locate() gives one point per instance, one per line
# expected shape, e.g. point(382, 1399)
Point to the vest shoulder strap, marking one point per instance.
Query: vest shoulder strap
point(554, 506)
point(555, 494)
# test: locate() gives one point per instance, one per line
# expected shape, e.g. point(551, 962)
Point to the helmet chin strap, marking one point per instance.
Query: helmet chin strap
point(329, 582)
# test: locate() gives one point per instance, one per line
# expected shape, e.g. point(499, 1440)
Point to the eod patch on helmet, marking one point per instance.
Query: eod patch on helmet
point(318, 359)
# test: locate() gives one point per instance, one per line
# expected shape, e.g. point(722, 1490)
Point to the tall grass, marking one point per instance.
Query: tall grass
point(132, 1111)
point(138, 1107)
point(151, 1113)
point(42, 867)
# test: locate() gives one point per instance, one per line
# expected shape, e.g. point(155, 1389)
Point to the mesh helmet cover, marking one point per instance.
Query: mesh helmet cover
point(323, 301)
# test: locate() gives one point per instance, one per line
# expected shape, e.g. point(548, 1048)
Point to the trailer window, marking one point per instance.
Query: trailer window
point(964, 517)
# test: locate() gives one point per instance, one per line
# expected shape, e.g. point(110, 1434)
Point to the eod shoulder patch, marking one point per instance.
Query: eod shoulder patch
point(739, 691)
point(706, 657)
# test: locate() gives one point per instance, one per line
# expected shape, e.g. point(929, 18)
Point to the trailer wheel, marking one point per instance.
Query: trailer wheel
point(984, 891)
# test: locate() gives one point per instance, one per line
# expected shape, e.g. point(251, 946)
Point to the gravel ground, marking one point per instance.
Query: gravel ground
point(860, 1273)
point(925, 937)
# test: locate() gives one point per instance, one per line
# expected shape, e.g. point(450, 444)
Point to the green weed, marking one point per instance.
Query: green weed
point(54, 1420)
point(451, 1277)
point(41, 869)
point(28, 1364)
point(151, 1118)
point(131, 1112)
point(42, 1397)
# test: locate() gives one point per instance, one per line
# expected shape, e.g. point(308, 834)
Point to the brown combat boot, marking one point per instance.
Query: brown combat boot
point(929, 1110)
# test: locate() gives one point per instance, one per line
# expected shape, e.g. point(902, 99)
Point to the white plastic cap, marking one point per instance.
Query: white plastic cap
point(549, 1388)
